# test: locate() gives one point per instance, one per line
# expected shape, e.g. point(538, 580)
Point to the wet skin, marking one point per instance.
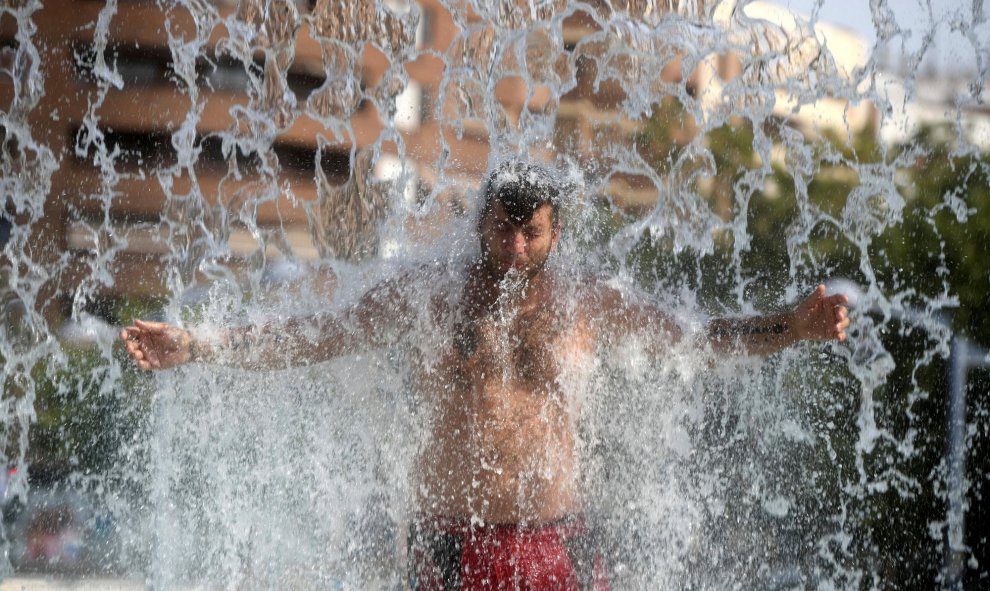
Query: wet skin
point(503, 445)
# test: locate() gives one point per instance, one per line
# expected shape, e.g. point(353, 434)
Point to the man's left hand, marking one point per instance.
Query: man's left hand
point(821, 317)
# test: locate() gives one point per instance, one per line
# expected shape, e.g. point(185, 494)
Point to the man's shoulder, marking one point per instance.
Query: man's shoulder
point(425, 279)
point(423, 271)
point(587, 286)
point(583, 294)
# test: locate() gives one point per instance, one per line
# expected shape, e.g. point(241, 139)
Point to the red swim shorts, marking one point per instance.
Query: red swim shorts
point(448, 554)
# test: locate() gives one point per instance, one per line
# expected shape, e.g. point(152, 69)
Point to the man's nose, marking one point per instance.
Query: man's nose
point(517, 243)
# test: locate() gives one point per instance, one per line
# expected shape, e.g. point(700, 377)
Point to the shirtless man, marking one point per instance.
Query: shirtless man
point(499, 503)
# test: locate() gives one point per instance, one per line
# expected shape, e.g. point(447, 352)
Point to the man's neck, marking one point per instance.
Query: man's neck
point(488, 290)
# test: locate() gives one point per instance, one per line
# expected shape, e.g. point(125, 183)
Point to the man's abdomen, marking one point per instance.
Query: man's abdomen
point(499, 476)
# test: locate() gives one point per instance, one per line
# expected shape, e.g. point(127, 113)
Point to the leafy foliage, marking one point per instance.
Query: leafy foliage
point(931, 251)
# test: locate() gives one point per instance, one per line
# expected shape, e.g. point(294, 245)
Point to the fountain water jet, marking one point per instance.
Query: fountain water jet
point(749, 472)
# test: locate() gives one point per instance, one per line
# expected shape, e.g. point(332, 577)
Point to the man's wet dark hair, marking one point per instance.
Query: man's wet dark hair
point(522, 187)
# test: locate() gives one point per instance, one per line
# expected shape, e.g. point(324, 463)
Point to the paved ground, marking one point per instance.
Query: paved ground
point(50, 583)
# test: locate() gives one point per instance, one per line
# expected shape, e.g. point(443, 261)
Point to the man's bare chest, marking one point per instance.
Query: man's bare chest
point(520, 349)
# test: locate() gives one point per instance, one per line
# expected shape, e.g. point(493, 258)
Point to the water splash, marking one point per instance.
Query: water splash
point(668, 117)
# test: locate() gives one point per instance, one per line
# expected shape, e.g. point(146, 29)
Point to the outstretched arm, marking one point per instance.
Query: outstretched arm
point(376, 318)
point(614, 314)
point(817, 318)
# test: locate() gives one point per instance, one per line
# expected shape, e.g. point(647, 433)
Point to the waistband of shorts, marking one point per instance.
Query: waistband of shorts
point(569, 525)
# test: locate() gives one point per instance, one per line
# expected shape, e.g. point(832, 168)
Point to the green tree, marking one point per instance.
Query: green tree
point(937, 250)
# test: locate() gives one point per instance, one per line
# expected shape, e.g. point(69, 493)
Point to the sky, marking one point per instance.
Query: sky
point(950, 51)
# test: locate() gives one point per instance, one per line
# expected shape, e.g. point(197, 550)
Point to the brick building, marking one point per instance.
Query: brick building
point(138, 99)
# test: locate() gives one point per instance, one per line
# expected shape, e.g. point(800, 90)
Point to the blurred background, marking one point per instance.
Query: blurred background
point(742, 151)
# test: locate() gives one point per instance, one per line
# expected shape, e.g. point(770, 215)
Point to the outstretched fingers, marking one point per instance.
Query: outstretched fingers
point(842, 323)
point(839, 302)
point(130, 335)
point(826, 316)
point(135, 345)
point(818, 295)
point(152, 327)
point(839, 299)
point(134, 350)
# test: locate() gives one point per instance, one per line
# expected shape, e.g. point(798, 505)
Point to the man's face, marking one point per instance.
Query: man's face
point(522, 245)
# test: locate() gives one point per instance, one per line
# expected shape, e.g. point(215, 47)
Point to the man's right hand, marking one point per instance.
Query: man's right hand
point(156, 345)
